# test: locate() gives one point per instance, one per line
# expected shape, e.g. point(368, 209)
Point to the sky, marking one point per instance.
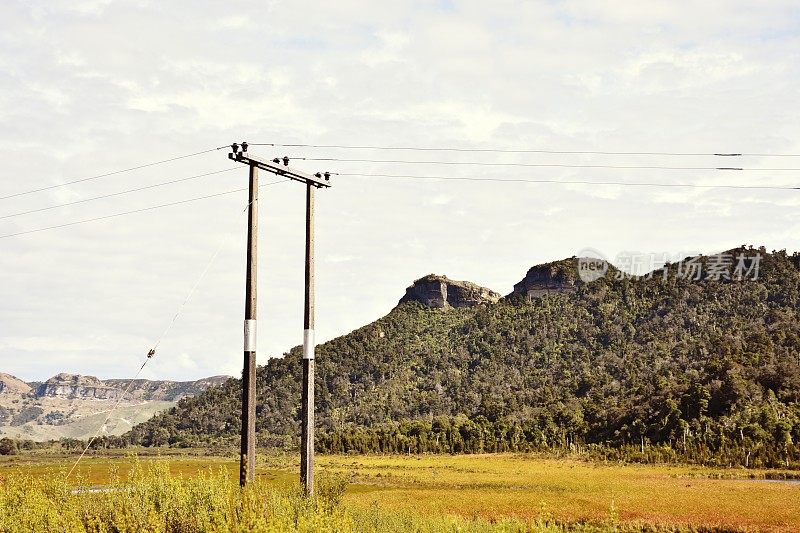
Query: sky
point(89, 87)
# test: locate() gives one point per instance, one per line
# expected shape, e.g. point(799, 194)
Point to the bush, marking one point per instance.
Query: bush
point(8, 447)
point(330, 488)
point(152, 499)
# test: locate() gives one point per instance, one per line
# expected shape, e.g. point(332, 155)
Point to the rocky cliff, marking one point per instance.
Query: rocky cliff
point(549, 278)
point(74, 406)
point(169, 391)
point(443, 292)
point(72, 386)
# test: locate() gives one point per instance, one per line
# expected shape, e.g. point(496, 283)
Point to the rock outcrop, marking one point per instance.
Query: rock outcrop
point(72, 386)
point(549, 278)
point(168, 391)
point(442, 292)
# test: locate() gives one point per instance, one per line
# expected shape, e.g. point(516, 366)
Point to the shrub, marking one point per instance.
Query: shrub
point(8, 447)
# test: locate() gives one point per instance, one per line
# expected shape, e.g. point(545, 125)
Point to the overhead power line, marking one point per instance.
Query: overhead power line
point(570, 182)
point(113, 173)
point(150, 354)
point(534, 165)
point(120, 193)
point(516, 151)
point(142, 210)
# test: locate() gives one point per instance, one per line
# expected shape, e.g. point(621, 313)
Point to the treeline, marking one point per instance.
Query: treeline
point(10, 446)
point(769, 447)
point(461, 435)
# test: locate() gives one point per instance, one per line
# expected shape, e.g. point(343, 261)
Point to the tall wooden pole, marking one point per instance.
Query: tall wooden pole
point(307, 436)
point(247, 465)
point(312, 181)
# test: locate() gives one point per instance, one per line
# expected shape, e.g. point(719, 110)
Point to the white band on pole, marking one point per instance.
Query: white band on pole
point(308, 344)
point(249, 335)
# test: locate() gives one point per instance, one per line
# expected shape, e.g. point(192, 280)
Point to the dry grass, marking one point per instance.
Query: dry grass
point(495, 486)
point(528, 492)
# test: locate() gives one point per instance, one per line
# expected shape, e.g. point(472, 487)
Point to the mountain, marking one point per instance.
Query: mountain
point(705, 366)
point(74, 406)
point(443, 292)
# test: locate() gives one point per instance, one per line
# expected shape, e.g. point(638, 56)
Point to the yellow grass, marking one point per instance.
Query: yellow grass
point(494, 486)
point(522, 487)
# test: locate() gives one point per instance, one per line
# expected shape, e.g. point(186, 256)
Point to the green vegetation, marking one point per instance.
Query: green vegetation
point(8, 447)
point(26, 415)
point(153, 499)
point(150, 499)
point(500, 492)
point(647, 369)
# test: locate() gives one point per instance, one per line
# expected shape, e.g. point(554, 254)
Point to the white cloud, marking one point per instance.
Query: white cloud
point(237, 22)
point(96, 86)
point(390, 50)
point(439, 200)
point(88, 7)
point(336, 258)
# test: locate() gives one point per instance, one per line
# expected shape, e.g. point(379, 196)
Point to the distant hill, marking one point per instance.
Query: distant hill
point(702, 367)
point(74, 406)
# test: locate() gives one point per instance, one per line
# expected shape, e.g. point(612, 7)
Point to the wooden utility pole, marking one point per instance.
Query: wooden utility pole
point(247, 465)
point(315, 181)
point(307, 432)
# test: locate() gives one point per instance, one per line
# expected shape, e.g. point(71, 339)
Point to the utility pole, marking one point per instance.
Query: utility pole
point(307, 432)
point(315, 181)
point(247, 464)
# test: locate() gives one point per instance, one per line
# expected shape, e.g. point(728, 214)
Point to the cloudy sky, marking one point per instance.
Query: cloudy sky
point(93, 86)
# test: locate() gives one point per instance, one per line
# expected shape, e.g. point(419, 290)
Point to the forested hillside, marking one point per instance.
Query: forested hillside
point(706, 370)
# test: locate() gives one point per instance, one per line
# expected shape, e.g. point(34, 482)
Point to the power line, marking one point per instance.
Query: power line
point(529, 165)
point(115, 172)
point(120, 193)
point(108, 416)
point(150, 208)
point(571, 182)
point(515, 151)
point(152, 352)
point(197, 283)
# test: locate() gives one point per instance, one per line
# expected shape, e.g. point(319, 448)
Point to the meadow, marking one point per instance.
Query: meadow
point(499, 492)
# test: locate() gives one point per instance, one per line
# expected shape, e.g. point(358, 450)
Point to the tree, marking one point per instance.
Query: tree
point(8, 447)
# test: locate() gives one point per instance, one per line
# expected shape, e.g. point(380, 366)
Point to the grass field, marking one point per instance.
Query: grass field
point(485, 489)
